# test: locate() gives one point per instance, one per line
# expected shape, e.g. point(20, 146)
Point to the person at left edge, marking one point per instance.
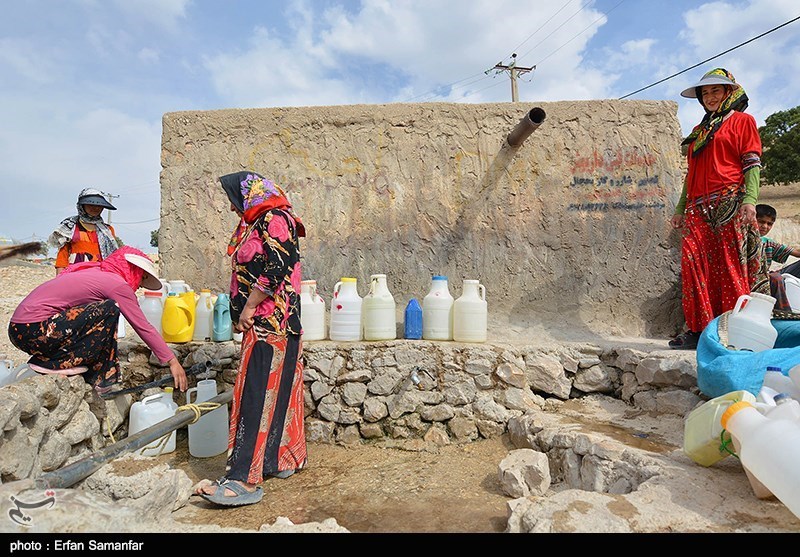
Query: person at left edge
point(68, 325)
point(85, 236)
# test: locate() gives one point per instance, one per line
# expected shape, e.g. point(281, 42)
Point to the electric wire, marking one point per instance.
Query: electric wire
point(712, 58)
point(580, 33)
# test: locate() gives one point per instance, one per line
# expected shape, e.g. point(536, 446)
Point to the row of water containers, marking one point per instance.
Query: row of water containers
point(763, 430)
point(180, 315)
point(373, 317)
point(208, 436)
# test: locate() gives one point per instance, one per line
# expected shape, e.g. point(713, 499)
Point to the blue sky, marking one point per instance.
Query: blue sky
point(85, 83)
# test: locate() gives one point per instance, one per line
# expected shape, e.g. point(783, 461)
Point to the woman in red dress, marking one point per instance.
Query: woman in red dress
point(717, 208)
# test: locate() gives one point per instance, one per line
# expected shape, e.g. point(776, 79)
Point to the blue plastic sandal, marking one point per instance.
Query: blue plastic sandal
point(242, 497)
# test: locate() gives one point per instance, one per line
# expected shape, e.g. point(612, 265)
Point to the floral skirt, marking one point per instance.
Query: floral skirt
point(267, 431)
point(79, 336)
point(720, 258)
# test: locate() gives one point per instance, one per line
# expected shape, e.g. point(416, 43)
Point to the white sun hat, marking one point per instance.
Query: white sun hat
point(714, 77)
point(150, 280)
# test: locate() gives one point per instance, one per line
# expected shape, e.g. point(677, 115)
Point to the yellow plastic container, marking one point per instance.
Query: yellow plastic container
point(191, 302)
point(177, 321)
point(702, 428)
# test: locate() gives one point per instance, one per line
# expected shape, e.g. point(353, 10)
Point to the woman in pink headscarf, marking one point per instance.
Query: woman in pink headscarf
point(68, 324)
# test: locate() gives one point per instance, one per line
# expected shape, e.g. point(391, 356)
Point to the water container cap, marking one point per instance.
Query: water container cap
point(152, 293)
point(205, 290)
point(348, 279)
point(732, 409)
point(439, 277)
point(172, 294)
point(308, 282)
point(773, 368)
point(781, 397)
point(168, 390)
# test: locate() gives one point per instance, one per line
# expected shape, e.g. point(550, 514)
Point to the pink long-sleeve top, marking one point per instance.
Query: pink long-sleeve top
point(84, 287)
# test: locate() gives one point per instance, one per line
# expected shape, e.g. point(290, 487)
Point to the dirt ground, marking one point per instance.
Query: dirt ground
point(369, 489)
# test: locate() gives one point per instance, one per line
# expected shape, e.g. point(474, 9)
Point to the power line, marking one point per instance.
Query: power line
point(579, 34)
point(483, 76)
point(557, 28)
point(139, 221)
point(514, 71)
point(545, 23)
point(712, 58)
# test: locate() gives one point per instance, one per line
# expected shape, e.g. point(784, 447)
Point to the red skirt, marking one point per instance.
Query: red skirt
point(267, 431)
point(719, 259)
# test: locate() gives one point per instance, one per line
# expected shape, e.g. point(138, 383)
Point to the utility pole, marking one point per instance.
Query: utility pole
point(514, 71)
point(110, 197)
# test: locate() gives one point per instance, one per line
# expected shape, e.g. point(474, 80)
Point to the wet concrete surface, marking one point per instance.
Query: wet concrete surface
point(369, 489)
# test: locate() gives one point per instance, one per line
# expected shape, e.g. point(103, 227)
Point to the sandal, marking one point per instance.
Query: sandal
point(68, 371)
point(242, 495)
point(685, 341)
point(283, 474)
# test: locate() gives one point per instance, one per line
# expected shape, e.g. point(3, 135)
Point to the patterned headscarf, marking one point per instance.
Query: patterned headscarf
point(115, 263)
point(703, 133)
point(63, 234)
point(253, 195)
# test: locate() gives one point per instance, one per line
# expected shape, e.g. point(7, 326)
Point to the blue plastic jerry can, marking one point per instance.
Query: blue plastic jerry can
point(413, 320)
point(222, 329)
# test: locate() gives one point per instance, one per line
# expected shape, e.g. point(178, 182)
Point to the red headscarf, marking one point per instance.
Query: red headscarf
point(115, 263)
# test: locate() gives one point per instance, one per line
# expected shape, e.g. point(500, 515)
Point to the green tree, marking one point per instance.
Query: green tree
point(154, 238)
point(780, 139)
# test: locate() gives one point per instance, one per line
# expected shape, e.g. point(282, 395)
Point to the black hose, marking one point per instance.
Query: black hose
point(196, 369)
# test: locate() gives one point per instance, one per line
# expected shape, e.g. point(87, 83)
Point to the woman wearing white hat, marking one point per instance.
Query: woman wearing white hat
point(68, 324)
point(717, 209)
point(85, 236)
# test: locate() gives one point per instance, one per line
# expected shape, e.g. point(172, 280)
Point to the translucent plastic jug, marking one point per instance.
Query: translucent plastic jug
point(148, 412)
point(121, 326)
point(177, 321)
point(379, 311)
point(164, 290)
point(222, 329)
point(345, 311)
point(6, 371)
point(312, 311)
point(413, 320)
point(702, 441)
point(769, 450)
point(204, 315)
point(792, 284)
point(471, 313)
point(749, 325)
point(437, 311)
point(178, 286)
point(208, 436)
point(153, 308)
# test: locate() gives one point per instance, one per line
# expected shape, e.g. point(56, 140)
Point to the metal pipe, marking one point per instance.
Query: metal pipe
point(525, 127)
point(75, 472)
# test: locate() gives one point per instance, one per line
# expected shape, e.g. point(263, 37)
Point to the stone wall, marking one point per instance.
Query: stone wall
point(569, 229)
point(357, 392)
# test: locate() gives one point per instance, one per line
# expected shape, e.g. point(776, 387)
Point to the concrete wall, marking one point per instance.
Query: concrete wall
point(568, 232)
